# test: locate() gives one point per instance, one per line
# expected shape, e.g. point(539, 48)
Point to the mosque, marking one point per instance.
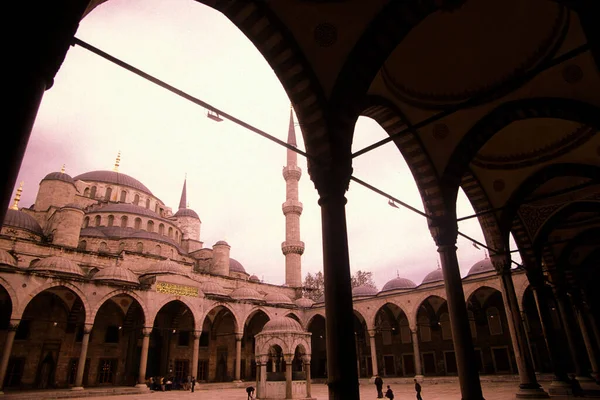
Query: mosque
point(100, 269)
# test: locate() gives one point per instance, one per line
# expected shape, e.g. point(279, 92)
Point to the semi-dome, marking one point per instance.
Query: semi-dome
point(434, 276)
point(21, 220)
point(7, 259)
point(165, 267)
point(399, 284)
point(282, 324)
point(277, 298)
point(236, 266)
point(245, 293)
point(254, 278)
point(116, 274)
point(304, 302)
point(482, 266)
point(210, 287)
point(186, 212)
point(113, 177)
point(57, 264)
point(363, 291)
point(59, 176)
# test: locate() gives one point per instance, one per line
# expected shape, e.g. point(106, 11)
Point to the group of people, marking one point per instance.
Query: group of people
point(389, 393)
point(162, 384)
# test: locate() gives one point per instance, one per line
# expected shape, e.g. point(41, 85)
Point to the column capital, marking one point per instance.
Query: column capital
point(444, 230)
point(306, 359)
point(197, 335)
point(239, 336)
point(87, 329)
point(146, 331)
point(372, 332)
point(331, 180)
point(13, 325)
point(262, 359)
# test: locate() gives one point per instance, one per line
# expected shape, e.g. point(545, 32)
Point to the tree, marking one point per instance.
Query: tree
point(315, 284)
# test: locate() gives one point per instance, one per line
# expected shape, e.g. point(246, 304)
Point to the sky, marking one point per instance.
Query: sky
point(96, 109)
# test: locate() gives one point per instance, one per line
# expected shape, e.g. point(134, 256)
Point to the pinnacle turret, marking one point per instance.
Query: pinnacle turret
point(183, 200)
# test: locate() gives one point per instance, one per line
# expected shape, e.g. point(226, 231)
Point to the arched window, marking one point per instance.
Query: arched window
point(136, 199)
point(86, 192)
point(148, 203)
point(157, 250)
point(172, 253)
point(170, 232)
point(124, 221)
point(108, 194)
point(177, 235)
point(404, 331)
point(424, 329)
point(86, 222)
point(161, 229)
point(445, 325)
point(138, 223)
point(494, 322)
point(97, 220)
point(150, 226)
point(123, 196)
point(82, 245)
point(103, 247)
point(472, 324)
point(111, 220)
point(93, 192)
point(156, 208)
point(139, 247)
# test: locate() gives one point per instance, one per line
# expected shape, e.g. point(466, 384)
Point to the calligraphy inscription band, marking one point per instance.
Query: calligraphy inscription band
point(180, 290)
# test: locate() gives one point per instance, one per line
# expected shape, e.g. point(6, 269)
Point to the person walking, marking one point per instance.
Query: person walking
point(379, 385)
point(193, 383)
point(389, 394)
point(250, 391)
point(418, 390)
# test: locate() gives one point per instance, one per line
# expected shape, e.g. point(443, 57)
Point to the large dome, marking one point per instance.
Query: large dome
point(282, 324)
point(482, 266)
point(364, 291)
point(434, 276)
point(116, 274)
point(21, 220)
point(113, 177)
point(399, 284)
point(59, 265)
point(236, 266)
point(59, 176)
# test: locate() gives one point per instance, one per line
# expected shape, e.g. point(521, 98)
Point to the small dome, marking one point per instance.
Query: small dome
point(236, 266)
point(116, 274)
point(304, 302)
point(434, 276)
point(186, 212)
point(7, 259)
point(21, 220)
point(363, 291)
point(210, 287)
point(282, 324)
point(253, 278)
point(116, 178)
point(245, 293)
point(277, 298)
point(399, 284)
point(59, 176)
point(479, 267)
point(221, 243)
point(165, 267)
point(59, 265)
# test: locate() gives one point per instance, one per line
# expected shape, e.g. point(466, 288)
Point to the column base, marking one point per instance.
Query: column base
point(142, 386)
point(237, 381)
point(77, 388)
point(419, 378)
point(531, 393)
point(560, 388)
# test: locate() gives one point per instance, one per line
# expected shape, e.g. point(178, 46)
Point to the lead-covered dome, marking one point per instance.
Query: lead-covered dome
point(277, 298)
point(434, 276)
point(116, 275)
point(21, 220)
point(399, 284)
point(165, 267)
point(7, 259)
point(56, 264)
point(245, 293)
point(282, 324)
point(304, 302)
point(113, 177)
point(210, 287)
point(364, 291)
point(186, 212)
point(482, 266)
point(59, 176)
point(236, 266)
point(253, 278)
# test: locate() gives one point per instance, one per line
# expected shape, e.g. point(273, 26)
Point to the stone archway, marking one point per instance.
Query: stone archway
point(318, 342)
point(393, 342)
point(218, 342)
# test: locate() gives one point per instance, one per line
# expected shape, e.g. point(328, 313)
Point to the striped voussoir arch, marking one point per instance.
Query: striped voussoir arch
point(523, 241)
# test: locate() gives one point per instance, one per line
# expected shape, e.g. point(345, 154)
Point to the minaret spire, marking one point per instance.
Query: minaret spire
point(117, 162)
point(292, 248)
point(15, 205)
point(183, 201)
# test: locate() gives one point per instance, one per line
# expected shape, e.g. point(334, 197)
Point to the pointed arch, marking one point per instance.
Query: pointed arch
point(12, 294)
point(182, 299)
point(53, 284)
point(110, 295)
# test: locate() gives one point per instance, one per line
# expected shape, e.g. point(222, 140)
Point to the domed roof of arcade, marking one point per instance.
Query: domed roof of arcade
point(116, 274)
point(245, 293)
point(436, 275)
point(481, 267)
point(398, 284)
point(364, 291)
point(304, 302)
point(7, 259)
point(277, 298)
point(163, 267)
point(210, 287)
point(57, 265)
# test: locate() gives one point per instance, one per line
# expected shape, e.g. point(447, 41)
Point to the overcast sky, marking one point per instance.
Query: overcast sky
point(234, 176)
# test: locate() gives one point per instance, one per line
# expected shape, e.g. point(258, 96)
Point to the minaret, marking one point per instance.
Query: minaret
point(292, 248)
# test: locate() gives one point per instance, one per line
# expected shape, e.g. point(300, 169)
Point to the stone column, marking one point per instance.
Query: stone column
point(144, 356)
point(87, 330)
point(332, 182)
point(445, 232)
point(10, 338)
point(306, 361)
point(32, 62)
point(568, 322)
point(258, 377)
point(195, 350)
point(528, 385)
point(417, 354)
point(288, 375)
point(263, 378)
point(238, 356)
point(373, 352)
point(585, 334)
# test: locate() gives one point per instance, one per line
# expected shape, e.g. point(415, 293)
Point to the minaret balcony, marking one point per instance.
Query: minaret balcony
point(292, 172)
point(292, 247)
point(292, 207)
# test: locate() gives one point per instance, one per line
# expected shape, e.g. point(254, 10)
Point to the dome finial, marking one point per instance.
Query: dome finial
point(397, 274)
point(15, 205)
point(117, 162)
point(62, 170)
point(438, 263)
